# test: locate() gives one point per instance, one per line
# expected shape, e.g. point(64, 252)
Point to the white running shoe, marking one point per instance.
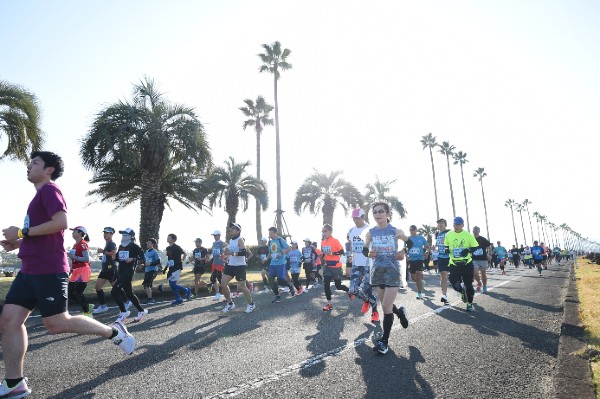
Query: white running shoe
point(122, 316)
point(250, 308)
point(128, 305)
point(286, 289)
point(21, 390)
point(229, 307)
point(217, 297)
point(140, 315)
point(123, 339)
point(100, 309)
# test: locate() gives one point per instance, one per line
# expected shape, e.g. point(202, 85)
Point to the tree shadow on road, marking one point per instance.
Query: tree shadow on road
point(392, 376)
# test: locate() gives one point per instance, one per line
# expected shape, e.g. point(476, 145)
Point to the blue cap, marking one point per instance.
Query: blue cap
point(458, 220)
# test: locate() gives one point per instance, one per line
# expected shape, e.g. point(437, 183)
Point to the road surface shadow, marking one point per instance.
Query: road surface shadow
point(392, 376)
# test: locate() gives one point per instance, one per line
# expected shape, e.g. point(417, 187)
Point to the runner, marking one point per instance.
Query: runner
point(152, 267)
point(80, 269)
point(295, 258)
point(434, 258)
point(538, 257)
point(417, 245)
point(443, 260)
point(527, 257)
point(348, 251)
point(381, 245)
point(332, 249)
point(359, 280)
point(43, 279)
point(263, 252)
point(515, 253)
point(128, 254)
point(500, 252)
point(175, 257)
point(544, 255)
point(318, 264)
point(557, 254)
point(461, 244)
point(309, 258)
point(108, 271)
point(278, 248)
point(236, 267)
point(199, 256)
point(480, 260)
point(218, 264)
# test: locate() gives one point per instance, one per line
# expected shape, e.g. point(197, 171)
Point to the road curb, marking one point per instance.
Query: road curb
point(573, 377)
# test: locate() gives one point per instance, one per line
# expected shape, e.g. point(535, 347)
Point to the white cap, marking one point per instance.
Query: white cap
point(264, 239)
point(216, 233)
point(80, 228)
point(307, 240)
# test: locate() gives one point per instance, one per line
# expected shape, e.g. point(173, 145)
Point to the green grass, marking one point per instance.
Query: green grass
point(588, 281)
point(187, 280)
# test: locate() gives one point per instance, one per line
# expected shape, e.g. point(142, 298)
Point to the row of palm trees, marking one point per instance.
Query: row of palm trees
point(430, 142)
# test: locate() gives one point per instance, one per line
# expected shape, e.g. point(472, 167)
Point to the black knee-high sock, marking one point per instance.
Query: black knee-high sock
point(388, 321)
point(101, 297)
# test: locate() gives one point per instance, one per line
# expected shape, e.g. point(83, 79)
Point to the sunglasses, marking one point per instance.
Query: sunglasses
point(376, 211)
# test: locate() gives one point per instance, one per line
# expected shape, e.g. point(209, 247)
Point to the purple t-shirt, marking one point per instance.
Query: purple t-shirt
point(44, 254)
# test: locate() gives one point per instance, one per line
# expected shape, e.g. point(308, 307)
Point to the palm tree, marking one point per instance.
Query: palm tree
point(429, 141)
point(19, 121)
point(258, 114)
point(526, 204)
point(563, 228)
point(275, 60)
point(138, 149)
point(322, 192)
point(448, 150)
point(543, 220)
point(537, 215)
point(480, 174)
point(520, 208)
point(379, 191)
point(231, 186)
point(460, 158)
point(511, 204)
point(428, 231)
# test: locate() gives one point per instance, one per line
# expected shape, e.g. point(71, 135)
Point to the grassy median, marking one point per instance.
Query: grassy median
point(187, 280)
point(588, 281)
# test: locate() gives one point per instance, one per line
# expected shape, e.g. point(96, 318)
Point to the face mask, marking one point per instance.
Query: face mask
point(125, 240)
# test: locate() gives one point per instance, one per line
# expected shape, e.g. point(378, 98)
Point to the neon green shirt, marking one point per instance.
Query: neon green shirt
point(456, 243)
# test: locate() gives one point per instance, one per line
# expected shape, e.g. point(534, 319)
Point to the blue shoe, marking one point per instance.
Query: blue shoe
point(470, 307)
point(381, 347)
point(188, 294)
point(484, 290)
point(177, 302)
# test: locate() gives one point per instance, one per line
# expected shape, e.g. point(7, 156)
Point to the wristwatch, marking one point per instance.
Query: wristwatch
point(25, 231)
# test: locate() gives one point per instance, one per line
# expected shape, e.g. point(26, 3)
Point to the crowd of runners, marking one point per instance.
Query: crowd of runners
point(374, 256)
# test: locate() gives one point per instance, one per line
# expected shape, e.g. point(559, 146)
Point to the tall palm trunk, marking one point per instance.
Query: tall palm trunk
point(487, 227)
point(151, 207)
point(523, 226)
point(328, 209)
point(544, 232)
point(258, 210)
point(512, 214)
point(279, 211)
point(537, 221)
point(465, 193)
point(437, 208)
point(451, 189)
point(530, 225)
point(232, 206)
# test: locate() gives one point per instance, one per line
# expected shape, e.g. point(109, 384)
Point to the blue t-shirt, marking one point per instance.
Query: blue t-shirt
point(385, 245)
point(500, 252)
point(295, 257)
point(417, 252)
point(442, 250)
point(151, 256)
point(217, 250)
point(276, 248)
point(537, 252)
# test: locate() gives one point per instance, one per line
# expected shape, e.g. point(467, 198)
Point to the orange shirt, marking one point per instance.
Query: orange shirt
point(331, 245)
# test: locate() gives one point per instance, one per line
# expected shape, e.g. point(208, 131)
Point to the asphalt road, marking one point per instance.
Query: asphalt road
point(506, 349)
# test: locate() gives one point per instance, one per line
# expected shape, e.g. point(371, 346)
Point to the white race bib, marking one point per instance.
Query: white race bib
point(123, 255)
point(171, 262)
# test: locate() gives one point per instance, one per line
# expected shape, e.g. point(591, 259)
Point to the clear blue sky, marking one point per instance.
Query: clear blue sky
point(513, 84)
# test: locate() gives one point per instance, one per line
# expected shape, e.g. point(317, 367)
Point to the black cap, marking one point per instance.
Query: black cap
point(413, 227)
point(442, 221)
point(273, 229)
point(108, 230)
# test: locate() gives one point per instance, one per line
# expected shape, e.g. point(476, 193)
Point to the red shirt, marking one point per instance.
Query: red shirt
point(331, 244)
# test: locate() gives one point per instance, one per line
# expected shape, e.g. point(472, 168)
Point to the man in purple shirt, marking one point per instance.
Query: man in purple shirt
point(43, 279)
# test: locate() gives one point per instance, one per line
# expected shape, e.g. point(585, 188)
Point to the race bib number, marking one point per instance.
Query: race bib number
point(103, 258)
point(294, 259)
point(216, 251)
point(456, 252)
point(198, 255)
point(357, 246)
point(414, 251)
point(478, 252)
point(263, 256)
point(171, 262)
point(327, 248)
point(148, 261)
point(123, 255)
